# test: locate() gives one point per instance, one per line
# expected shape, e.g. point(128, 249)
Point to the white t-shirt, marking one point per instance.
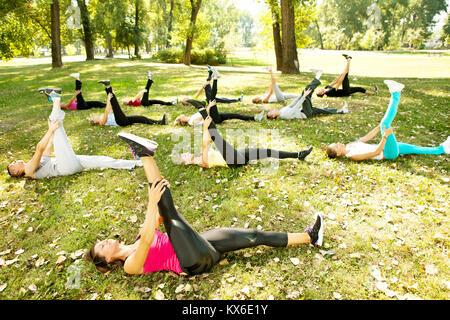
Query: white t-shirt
point(47, 168)
point(362, 148)
point(111, 120)
point(193, 119)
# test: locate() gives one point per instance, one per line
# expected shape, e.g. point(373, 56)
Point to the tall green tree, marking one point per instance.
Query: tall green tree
point(88, 36)
point(289, 45)
point(195, 8)
point(55, 28)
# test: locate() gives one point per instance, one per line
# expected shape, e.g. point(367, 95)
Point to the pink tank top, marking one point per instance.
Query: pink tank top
point(161, 255)
point(135, 103)
point(73, 106)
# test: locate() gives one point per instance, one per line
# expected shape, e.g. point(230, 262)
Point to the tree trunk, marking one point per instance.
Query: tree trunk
point(88, 41)
point(290, 58)
point(170, 26)
point(110, 48)
point(56, 34)
point(136, 26)
point(277, 40)
point(320, 34)
point(195, 8)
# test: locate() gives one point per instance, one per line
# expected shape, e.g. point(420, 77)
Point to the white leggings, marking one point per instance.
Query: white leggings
point(281, 97)
point(67, 162)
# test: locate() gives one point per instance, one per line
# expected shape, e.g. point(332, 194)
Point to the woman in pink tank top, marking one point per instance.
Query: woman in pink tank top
point(182, 249)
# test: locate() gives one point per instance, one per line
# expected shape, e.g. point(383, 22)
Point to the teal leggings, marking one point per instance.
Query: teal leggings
point(392, 148)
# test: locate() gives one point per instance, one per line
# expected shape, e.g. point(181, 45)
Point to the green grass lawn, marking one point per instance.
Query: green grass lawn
point(387, 225)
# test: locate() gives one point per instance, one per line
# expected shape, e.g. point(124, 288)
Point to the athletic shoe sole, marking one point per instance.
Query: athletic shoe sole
point(133, 139)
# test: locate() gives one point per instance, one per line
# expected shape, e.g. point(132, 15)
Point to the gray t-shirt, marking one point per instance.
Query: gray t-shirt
point(47, 168)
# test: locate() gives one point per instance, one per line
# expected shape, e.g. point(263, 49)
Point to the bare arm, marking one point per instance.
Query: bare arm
point(338, 81)
point(369, 155)
point(67, 104)
point(33, 164)
point(139, 95)
point(370, 135)
point(199, 92)
point(108, 110)
point(135, 262)
point(206, 142)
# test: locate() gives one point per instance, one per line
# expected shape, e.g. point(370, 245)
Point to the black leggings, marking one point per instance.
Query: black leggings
point(308, 109)
point(85, 105)
point(124, 120)
point(146, 102)
point(237, 158)
point(211, 93)
point(346, 89)
point(198, 253)
point(220, 117)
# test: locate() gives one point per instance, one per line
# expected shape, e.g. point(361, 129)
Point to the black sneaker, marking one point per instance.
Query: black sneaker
point(316, 231)
point(164, 119)
point(376, 89)
point(304, 153)
point(106, 83)
point(140, 147)
point(347, 56)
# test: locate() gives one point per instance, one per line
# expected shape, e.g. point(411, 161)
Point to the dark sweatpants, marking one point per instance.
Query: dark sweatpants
point(85, 105)
point(308, 109)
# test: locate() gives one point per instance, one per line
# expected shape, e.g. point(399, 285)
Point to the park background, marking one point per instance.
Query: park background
point(387, 222)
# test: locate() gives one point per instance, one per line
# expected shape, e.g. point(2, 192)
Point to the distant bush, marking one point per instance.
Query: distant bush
point(212, 57)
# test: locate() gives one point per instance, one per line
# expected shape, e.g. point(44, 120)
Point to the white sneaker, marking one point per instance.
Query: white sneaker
point(344, 108)
point(446, 145)
point(216, 74)
point(394, 86)
point(317, 72)
point(241, 97)
point(175, 101)
point(259, 116)
point(75, 75)
point(150, 74)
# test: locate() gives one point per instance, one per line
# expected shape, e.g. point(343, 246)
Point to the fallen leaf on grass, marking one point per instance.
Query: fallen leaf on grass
point(159, 295)
point(245, 290)
point(179, 288)
point(223, 262)
point(3, 287)
point(8, 262)
point(295, 261)
point(76, 254)
point(19, 251)
point(376, 273)
point(337, 295)
point(293, 295)
point(431, 269)
point(5, 252)
point(61, 259)
point(32, 288)
point(39, 262)
point(231, 279)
